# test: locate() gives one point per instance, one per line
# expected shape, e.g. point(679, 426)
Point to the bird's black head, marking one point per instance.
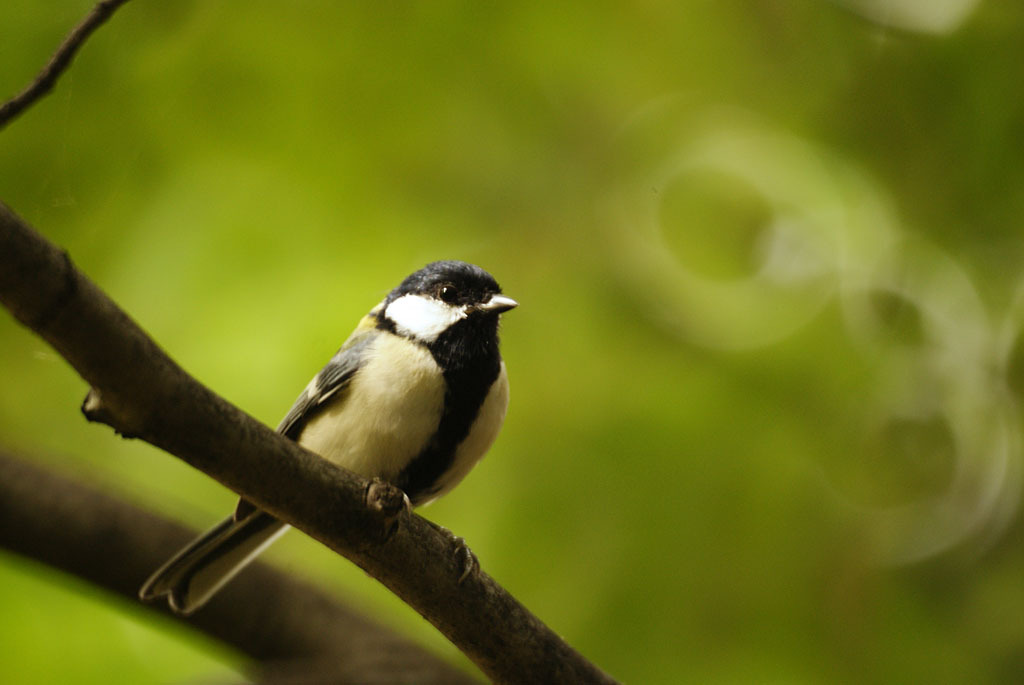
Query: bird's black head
point(453, 282)
point(448, 297)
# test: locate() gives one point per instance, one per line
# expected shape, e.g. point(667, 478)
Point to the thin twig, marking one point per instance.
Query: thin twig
point(60, 61)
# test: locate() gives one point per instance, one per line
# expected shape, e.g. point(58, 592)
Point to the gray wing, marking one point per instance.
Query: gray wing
point(332, 379)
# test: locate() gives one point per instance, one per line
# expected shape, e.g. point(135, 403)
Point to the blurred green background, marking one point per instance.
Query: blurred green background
point(766, 371)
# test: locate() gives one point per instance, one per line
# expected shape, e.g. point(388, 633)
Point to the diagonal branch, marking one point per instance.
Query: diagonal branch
point(137, 389)
point(269, 616)
point(60, 61)
point(140, 391)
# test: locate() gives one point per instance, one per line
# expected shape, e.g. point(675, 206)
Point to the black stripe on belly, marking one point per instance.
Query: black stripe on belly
point(469, 358)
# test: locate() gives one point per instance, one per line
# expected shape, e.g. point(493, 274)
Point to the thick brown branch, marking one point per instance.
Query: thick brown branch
point(60, 61)
point(144, 393)
point(264, 613)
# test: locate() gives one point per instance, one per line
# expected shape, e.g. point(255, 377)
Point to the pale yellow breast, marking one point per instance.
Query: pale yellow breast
point(401, 400)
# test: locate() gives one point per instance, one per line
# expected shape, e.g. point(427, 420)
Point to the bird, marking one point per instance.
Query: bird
point(415, 396)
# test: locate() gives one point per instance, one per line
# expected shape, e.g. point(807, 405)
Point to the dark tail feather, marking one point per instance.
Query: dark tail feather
point(196, 573)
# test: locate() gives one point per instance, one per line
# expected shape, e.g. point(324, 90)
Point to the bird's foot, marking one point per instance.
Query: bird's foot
point(468, 563)
point(389, 502)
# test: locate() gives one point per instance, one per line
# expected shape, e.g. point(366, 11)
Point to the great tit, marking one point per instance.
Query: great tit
point(415, 396)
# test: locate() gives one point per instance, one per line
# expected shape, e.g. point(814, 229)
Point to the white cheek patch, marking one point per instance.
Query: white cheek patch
point(422, 317)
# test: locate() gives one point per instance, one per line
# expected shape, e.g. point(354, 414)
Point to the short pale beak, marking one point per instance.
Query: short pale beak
point(498, 304)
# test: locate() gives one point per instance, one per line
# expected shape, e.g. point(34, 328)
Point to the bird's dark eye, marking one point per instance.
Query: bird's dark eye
point(448, 293)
